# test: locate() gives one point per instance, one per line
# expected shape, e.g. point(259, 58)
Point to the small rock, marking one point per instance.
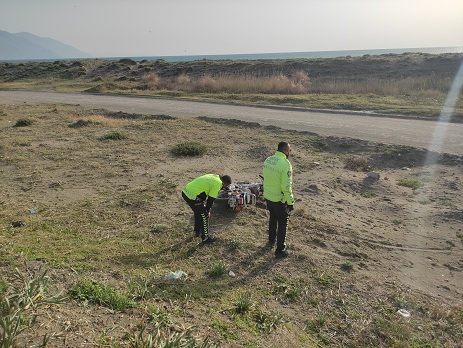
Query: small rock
point(373, 175)
point(313, 188)
point(176, 275)
point(404, 313)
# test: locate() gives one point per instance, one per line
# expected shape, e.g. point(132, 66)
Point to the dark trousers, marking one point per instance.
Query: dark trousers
point(277, 224)
point(200, 214)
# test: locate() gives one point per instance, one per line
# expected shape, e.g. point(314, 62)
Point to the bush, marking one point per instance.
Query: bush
point(23, 122)
point(205, 84)
point(113, 136)
point(413, 184)
point(189, 149)
point(217, 270)
point(149, 81)
point(183, 80)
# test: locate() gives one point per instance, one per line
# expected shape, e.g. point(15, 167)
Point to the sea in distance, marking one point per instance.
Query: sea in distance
point(296, 55)
point(279, 55)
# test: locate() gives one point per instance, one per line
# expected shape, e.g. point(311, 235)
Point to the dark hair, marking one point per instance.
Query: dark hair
point(282, 146)
point(226, 179)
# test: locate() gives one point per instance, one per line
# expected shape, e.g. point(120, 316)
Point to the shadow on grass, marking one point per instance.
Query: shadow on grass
point(256, 261)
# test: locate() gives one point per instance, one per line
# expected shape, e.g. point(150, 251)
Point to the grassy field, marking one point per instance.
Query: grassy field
point(93, 228)
point(92, 199)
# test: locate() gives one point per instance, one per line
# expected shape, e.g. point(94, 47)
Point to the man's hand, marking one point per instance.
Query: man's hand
point(289, 208)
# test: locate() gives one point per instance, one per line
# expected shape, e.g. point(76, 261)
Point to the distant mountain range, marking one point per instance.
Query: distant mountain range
point(24, 46)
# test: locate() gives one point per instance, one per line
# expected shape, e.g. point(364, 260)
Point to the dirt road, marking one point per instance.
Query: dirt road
point(436, 136)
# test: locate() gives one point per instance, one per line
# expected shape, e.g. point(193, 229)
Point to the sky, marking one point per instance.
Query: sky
point(131, 28)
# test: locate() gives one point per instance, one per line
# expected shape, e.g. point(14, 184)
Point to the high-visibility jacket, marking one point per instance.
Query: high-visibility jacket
point(204, 186)
point(278, 179)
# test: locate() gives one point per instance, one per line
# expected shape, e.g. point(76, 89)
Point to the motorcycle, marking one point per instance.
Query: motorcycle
point(241, 194)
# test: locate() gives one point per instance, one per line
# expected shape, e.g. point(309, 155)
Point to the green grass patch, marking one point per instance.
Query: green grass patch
point(410, 183)
point(368, 194)
point(217, 270)
point(102, 294)
point(244, 303)
point(347, 266)
point(114, 136)
point(191, 149)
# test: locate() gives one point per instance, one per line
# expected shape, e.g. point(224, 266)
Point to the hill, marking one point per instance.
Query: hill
point(359, 69)
point(25, 46)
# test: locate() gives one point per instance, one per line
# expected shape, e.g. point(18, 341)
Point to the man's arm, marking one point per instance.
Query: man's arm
point(287, 184)
point(209, 203)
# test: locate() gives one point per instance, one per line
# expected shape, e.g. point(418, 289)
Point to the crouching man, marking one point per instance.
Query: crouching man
point(200, 194)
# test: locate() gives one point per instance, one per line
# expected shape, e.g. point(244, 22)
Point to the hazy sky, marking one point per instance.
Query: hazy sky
point(196, 27)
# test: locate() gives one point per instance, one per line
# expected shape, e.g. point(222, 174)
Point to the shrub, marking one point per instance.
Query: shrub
point(183, 80)
point(302, 79)
point(189, 149)
point(413, 184)
point(23, 122)
point(150, 81)
point(113, 136)
point(217, 270)
point(347, 266)
point(205, 84)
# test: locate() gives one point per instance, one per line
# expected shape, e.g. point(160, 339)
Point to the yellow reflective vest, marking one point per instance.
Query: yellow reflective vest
point(210, 184)
point(278, 179)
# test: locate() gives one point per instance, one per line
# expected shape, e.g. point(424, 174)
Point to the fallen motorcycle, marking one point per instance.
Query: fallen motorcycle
point(240, 195)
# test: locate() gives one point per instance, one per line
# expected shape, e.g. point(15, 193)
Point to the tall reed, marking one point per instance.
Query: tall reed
point(299, 83)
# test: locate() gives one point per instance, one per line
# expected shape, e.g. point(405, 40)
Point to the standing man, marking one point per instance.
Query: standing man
point(278, 193)
point(200, 195)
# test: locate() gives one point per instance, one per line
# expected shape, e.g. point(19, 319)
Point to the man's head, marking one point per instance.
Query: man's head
point(226, 181)
point(285, 148)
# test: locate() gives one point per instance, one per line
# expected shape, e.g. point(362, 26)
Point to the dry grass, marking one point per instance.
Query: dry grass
point(357, 163)
point(430, 85)
point(299, 83)
point(101, 119)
